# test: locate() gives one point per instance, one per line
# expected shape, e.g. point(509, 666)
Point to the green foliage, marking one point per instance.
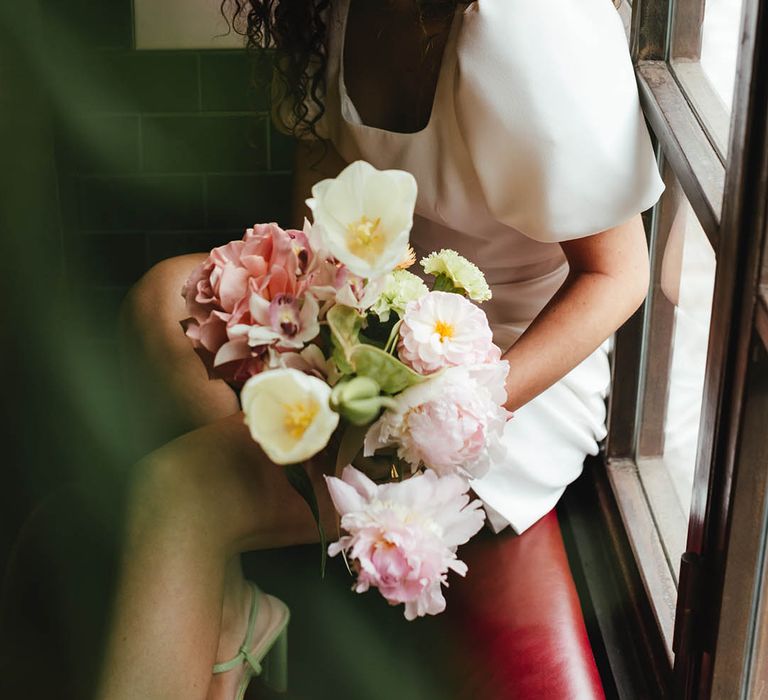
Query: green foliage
point(354, 357)
point(391, 374)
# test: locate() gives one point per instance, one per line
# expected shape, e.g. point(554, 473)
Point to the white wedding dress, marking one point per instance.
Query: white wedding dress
point(536, 136)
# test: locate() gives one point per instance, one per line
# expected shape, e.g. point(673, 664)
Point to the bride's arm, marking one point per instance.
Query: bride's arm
point(313, 161)
point(607, 282)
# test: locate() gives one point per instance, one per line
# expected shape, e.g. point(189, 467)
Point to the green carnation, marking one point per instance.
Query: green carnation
point(454, 273)
point(400, 287)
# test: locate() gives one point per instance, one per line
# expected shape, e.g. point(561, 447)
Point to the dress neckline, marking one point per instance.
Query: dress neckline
point(448, 57)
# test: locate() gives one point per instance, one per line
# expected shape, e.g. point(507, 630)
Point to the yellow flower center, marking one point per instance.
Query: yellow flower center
point(444, 330)
point(298, 417)
point(366, 239)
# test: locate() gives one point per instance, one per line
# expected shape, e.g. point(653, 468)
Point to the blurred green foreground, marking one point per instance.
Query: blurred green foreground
point(71, 247)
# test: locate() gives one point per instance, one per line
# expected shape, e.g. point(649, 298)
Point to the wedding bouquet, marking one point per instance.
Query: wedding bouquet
point(326, 334)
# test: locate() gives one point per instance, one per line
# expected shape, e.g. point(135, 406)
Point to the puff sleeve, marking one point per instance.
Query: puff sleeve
point(547, 104)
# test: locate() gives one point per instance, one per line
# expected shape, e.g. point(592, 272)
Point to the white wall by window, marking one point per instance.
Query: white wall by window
point(182, 24)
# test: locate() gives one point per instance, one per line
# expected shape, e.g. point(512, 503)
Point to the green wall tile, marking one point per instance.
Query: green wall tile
point(238, 201)
point(201, 143)
point(141, 202)
point(93, 24)
point(225, 83)
point(100, 308)
point(98, 144)
point(206, 241)
point(132, 81)
point(159, 153)
point(161, 245)
point(108, 259)
point(282, 149)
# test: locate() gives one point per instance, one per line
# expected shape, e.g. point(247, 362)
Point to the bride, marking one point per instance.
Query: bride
point(522, 125)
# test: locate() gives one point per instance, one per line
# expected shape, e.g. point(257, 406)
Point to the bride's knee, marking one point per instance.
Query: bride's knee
point(153, 307)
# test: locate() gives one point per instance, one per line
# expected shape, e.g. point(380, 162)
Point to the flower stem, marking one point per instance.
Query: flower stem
point(299, 479)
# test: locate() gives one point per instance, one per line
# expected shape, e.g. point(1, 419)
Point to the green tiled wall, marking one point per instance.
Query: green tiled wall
point(159, 153)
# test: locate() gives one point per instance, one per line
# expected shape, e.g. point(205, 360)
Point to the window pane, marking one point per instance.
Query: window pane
point(675, 347)
point(694, 265)
point(720, 42)
point(703, 53)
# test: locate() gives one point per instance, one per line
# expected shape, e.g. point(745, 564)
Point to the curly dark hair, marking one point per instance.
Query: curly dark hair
point(289, 36)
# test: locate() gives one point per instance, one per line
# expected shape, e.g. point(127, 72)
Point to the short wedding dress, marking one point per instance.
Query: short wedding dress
point(536, 136)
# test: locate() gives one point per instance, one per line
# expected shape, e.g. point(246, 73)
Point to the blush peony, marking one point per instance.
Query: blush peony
point(443, 329)
point(452, 423)
point(402, 537)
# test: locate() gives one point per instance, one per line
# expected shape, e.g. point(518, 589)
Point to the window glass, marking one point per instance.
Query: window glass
point(703, 54)
point(675, 347)
point(693, 264)
point(719, 45)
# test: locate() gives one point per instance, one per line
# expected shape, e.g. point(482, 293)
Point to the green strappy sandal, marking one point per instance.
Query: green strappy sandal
point(269, 657)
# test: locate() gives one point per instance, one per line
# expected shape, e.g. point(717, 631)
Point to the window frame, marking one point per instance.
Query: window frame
point(729, 199)
point(684, 55)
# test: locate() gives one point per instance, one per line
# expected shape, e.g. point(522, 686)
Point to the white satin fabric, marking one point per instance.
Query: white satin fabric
point(536, 136)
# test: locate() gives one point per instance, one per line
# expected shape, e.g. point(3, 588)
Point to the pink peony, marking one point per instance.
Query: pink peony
point(267, 270)
point(402, 536)
point(452, 423)
point(442, 329)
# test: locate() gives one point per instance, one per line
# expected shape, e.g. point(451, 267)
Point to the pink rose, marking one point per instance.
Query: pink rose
point(276, 259)
point(269, 264)
point(402, 537)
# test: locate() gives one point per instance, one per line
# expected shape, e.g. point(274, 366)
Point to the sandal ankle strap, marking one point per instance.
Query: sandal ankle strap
point(244, 652)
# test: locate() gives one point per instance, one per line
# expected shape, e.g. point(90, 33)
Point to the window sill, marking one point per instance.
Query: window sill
point(646, 543)
point(712, 112)
point(685, 143)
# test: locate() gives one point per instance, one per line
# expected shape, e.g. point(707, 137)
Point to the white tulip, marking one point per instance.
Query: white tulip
point(288, 414)
point(364, 217)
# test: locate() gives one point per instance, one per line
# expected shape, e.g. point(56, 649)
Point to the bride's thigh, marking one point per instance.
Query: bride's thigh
point(169, 386)
point(215, 482)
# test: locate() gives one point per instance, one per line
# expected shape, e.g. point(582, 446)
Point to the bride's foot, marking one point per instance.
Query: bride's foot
point(266, 616)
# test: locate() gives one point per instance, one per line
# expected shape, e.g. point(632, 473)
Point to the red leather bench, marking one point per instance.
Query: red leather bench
point(518, 620)
point(513, 628)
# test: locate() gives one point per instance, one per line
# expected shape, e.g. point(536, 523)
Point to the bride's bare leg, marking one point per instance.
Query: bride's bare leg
point(182, 601)
point(197, 502)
